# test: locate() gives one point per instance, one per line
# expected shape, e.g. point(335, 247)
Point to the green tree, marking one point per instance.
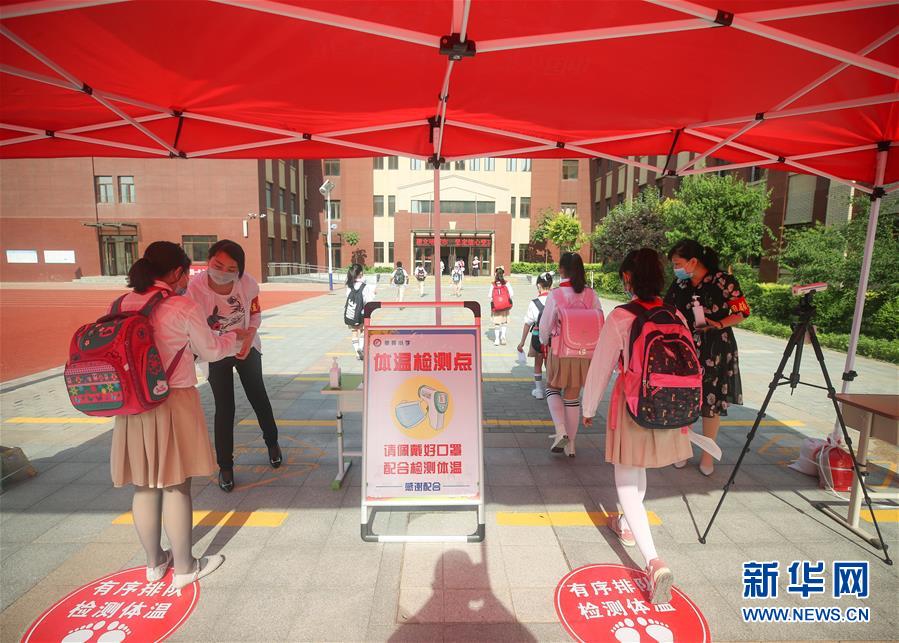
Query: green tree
point(564, 230)
point(638, 223)
point(722, 212)
point(358, 254)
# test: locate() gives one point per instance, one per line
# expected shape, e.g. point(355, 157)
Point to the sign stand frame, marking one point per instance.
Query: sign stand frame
point(369, 508)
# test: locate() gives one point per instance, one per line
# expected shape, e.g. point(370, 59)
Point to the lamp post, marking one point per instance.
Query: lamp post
point(325, 189)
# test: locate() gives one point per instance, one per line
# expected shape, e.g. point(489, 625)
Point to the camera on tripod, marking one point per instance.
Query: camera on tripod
point(809, 289)
point(805, 310)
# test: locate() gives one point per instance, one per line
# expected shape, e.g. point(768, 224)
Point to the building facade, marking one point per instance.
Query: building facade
point(64, 219)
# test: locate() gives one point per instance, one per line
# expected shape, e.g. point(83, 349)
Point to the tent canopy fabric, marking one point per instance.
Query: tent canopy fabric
point(786, 84)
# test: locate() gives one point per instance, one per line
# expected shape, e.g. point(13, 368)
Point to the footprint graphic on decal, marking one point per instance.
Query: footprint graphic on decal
point(115, 633)
point(625, 633)
point(659, 632)
point(83, 633)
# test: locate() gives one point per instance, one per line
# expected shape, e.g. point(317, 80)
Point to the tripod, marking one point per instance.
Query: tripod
point(801, 329)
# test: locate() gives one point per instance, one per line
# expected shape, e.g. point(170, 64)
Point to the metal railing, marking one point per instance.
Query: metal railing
point(298, 271)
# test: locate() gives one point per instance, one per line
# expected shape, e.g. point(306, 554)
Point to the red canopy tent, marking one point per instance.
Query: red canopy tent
point(778, 83)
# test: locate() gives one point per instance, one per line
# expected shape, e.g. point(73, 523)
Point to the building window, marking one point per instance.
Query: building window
point(104, 189)
point(379, 205)
point(474, 164)
point(524, 210)
point(126, 189)
point(379, 163)
point(393, 162)
point(570, 208)
point(268, 194)
point(523, 252)
point(391, 205)
point(294, 204)
point(510, 165)
point(390, 251)
point(569, 170)
point(524, 165)
point(455, 207)
point(758, 174)
point(512, 209)
point(282, 200)
point(271, 249)
point(284, 256)
point(332, 167)
point(379, 252)
point(490, 164)
point(416, 164)
point(460, 165)
point(335, 210)
point(512, 254)
point(197, 247)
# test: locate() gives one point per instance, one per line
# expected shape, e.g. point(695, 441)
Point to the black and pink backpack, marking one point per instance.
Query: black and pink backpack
point(663, 380)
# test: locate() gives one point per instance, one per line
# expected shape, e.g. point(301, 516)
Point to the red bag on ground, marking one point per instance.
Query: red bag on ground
point(114, 366)
point(835, 470)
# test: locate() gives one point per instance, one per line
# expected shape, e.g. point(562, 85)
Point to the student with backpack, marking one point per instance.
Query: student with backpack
point(476, 267)
point(653, 403)
point(399, 278)
point(160, 449)
point(712, 302)
point(230, 299)
point(531, 331)
point(421, 274)
point(569, 330)
point(456, 277)
point(500, 306)
point(358, 293)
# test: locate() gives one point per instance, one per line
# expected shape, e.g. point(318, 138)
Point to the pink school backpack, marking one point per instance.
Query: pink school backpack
point(579, 327)
point(663, 380)
point(114, 366)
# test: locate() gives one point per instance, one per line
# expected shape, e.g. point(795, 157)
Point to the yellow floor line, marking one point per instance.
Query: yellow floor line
point(560, 518)
point(309, 378)
point(883, 515)
point(57, 420)
point(272, 337)
point(225, 518)
point(293, 423)
point(340, 354)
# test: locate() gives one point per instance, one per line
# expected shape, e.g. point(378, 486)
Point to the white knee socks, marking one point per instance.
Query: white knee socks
point(556, 409)
point(630, 482)
point(572, 417)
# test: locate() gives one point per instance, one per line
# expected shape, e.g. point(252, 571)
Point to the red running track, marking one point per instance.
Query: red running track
point(37, 325)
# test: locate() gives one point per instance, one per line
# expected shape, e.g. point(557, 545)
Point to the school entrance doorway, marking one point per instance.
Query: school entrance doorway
point(455, 245)
point(118, 247)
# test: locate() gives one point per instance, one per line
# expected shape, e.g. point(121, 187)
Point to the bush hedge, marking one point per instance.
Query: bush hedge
point(532, 268)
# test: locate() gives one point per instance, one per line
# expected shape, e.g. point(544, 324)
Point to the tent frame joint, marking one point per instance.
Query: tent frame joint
point(560, 145)
point(877, 193)
point(724, 18)
point(434, 122)
point(884, 146)
point(849, 376)
point(455, 48)
point(181, 154)
point(87, 89)
point(760, 116)
point(50, 133)
point(307, 136)
point(781, 159)
point(434, 162)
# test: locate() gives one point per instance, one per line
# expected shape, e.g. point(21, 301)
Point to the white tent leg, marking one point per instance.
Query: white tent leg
point(863, 281)
point(435, 221)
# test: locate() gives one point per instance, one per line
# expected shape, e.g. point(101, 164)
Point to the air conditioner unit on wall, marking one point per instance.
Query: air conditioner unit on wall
point(295, 219)
point(308, 223)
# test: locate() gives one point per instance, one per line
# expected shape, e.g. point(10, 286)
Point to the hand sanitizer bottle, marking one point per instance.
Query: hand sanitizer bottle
point(334, 375)
point(698, 313)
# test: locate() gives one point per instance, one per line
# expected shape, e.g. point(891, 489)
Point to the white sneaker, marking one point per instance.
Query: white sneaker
point(538, 393)
point(559, 443)
point(502, 340)
point(496, 342)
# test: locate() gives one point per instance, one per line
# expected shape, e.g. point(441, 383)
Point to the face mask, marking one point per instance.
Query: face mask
point(682, 274)
point(630, 294)
point(409, 414)
point(221, 277)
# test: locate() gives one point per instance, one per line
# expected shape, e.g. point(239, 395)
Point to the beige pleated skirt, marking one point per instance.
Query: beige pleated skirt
point(629, 443)
point(500, 318)
point(566, 372)
point(162, 447)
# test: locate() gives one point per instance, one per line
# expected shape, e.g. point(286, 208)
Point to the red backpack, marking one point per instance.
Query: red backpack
point(500, 299)
point(663, 380)
point(114, 366)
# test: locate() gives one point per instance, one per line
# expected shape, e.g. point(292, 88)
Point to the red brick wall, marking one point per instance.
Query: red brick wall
point(549, 190)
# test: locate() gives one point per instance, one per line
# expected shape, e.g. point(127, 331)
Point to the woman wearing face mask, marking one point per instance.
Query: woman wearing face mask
point(160, 450)
point(712, 302)
point(229, 299)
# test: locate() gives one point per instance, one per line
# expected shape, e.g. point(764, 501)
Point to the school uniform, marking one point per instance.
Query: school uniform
point(531, 317)
point(166, 445)
point(564, 372)
point(368, 294)
point(502, 316)
point(627, 443)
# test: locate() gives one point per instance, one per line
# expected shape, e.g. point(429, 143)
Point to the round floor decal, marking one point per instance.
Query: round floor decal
point(120, 608)
point(610, 603)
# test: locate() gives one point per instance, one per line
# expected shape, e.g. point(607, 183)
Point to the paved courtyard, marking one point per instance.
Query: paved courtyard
point(297, 570)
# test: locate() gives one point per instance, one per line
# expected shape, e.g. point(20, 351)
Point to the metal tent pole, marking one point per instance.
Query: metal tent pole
point(876, 198)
